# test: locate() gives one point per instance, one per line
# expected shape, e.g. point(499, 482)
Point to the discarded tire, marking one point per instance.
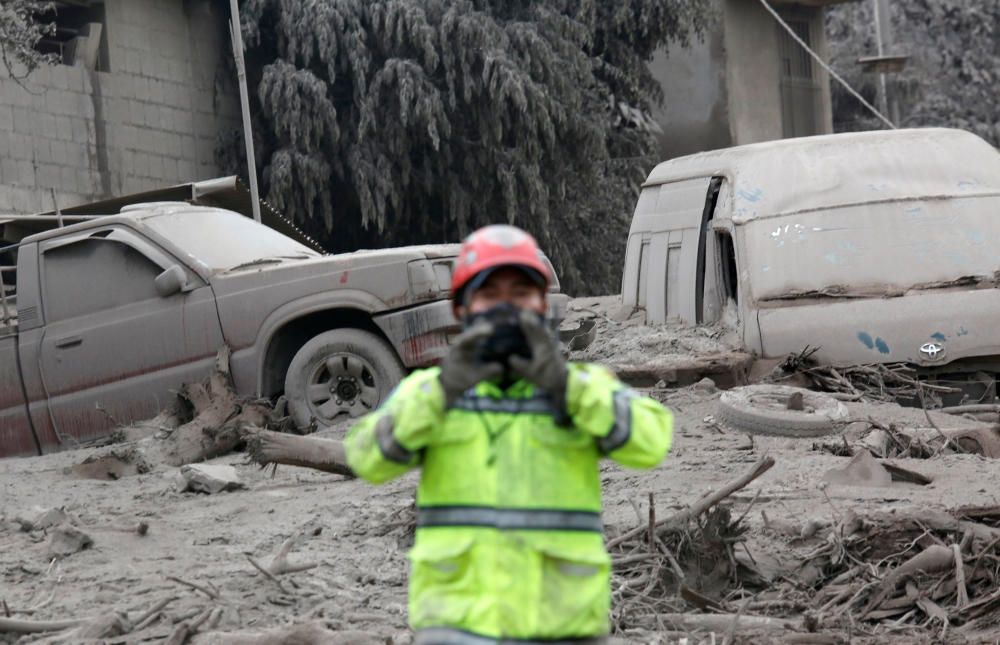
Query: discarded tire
point(764, 409)
point(342, 371)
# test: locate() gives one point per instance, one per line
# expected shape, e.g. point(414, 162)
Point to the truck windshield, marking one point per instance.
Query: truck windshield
point(223, 240)
point(875, 248)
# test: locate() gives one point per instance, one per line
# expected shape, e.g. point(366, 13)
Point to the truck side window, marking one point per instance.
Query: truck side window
point(727, 260)
point(93, 275)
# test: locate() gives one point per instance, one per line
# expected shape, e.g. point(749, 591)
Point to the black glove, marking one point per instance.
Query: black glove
point(546, 368)
point(461, 368)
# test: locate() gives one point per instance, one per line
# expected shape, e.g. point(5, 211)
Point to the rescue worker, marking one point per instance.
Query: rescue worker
point(509, 541)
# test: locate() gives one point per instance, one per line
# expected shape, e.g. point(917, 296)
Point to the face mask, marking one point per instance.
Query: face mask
point(507, 339)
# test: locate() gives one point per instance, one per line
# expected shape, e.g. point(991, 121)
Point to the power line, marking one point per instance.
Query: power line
point(822, 63)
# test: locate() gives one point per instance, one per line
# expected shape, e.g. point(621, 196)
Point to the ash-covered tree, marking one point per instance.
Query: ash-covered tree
point(21, 28)
point(952, 75)
point(404, 121)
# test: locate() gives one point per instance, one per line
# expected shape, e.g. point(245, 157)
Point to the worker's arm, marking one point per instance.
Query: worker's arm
point(387, 443)
point(633, 430)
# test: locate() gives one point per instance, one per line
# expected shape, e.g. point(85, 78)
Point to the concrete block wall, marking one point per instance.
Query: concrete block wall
point(151, 121)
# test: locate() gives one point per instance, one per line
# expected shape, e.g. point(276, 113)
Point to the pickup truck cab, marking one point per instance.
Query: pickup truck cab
point(874, 247)
point(102, 320)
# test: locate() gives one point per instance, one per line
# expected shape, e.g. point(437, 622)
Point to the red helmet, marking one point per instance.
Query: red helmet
point(496, 246)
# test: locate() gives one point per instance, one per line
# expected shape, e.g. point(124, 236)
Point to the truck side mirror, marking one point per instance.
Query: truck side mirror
point(170, 281)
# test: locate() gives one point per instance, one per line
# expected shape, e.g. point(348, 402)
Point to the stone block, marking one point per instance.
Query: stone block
point(77, 157)
point(44, 123)
point(42, 150)
point(58, 77)
point(67, 179)
point(155, 91)
point(81, 130)
point(79, 80)
point(87, 181)
point(25, 173)
point(23, 123)
point(129, 137)
point(21, 146)
point(56, 103)
point(141, 166)
point(64, 128)
point(60, 150)
point(8, 171)
point(155, 166)
point(66, 540)
point(208, 478)
point(13, 94)
point(147, 139)
point(135, 87)
point(133, 111)
point(185, 170)
point(25, 200)
point(47, 175)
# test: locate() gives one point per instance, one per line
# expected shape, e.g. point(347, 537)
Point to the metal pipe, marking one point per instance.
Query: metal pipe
point(236, 35)
point(3, 299)
point(48, 218)
point(55, 203)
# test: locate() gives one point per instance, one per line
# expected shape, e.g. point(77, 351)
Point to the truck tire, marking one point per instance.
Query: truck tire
point(342, 371)
point(763, 409)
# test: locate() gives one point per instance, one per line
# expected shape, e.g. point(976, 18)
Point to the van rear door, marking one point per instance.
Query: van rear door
point(661, 259)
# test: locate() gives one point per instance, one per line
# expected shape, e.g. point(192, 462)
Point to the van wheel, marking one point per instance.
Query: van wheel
point(340, 372)
point(766, 409)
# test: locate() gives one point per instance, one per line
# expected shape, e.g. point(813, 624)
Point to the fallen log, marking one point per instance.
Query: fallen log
point(209, 420)
point(308, 634)
point(16, 626)
point(705, 503)
point(267, 447)
point(933, 559)
point(721, 622)
point(219, 419)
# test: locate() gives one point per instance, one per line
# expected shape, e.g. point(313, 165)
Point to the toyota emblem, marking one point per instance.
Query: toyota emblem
point(932, 351)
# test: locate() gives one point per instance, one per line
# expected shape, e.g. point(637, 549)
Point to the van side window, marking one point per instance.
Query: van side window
point(93, 275)
point(727, 261)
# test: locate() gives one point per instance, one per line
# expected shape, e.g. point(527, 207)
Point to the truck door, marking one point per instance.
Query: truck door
point(113, 349)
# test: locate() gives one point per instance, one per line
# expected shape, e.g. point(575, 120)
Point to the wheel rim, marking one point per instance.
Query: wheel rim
point(342, 384)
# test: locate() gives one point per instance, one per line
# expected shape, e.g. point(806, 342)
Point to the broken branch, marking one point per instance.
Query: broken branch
point(703, 504)
point(205, 590)
point(38, 626)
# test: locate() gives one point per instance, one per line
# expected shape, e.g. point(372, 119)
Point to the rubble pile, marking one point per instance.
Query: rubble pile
point(214, 523)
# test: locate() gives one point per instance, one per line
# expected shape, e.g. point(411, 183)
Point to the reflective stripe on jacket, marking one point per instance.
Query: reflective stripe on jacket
point(509, 539)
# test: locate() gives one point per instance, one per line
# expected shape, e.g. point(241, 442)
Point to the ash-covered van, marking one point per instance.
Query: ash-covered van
point(875, 247)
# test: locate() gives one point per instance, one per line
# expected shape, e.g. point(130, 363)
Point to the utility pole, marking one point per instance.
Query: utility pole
point(236, 35)
point(883, 40)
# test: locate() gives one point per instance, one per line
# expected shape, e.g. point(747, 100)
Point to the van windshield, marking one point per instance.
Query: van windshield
point(874, 249)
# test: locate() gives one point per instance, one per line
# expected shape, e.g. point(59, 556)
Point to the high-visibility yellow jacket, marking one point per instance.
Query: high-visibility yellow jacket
point(509, 539)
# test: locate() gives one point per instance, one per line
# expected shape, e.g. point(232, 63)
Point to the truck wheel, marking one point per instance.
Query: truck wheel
point(765, 409)
point(342, 371)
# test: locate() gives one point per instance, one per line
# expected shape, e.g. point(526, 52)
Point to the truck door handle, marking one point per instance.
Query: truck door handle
point(72, 341)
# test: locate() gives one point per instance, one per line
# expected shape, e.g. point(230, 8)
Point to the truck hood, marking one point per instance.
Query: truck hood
point(382, 273)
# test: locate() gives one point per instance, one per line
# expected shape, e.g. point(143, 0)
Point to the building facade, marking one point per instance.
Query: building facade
point(138, 103)
point(747, 81)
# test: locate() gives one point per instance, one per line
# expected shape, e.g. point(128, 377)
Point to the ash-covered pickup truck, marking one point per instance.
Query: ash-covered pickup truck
point(102, 320)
